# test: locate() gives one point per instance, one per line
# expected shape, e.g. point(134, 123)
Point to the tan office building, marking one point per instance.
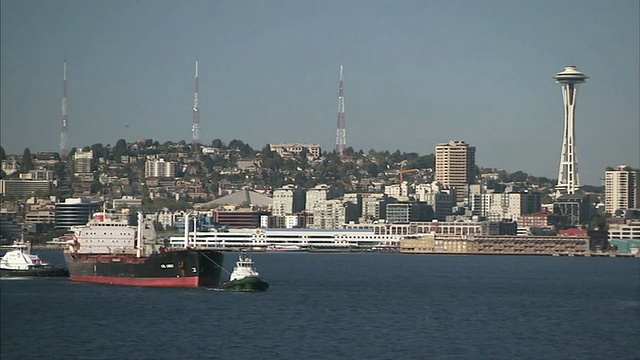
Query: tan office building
point(455, 166)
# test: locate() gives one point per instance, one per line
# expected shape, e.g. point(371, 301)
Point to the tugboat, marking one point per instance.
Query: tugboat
point(244, 276)
point(18, 261)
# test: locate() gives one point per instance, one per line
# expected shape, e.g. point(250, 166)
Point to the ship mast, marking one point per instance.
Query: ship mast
point(140, 236)
point(186, 230)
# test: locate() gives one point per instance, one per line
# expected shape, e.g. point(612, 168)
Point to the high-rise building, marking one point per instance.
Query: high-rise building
point(568, 180)
point(621, 189)
point(456, 166)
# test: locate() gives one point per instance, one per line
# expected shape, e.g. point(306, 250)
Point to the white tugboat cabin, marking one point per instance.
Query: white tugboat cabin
point(244, 268)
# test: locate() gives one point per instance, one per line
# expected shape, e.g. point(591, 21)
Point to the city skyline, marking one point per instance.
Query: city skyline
point(420, 73)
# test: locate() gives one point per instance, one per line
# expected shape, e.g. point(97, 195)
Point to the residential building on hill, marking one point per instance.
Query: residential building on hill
point(294, 149)
point(159, 168)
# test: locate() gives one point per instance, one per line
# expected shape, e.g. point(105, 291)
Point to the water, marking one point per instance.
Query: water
point(342, 306)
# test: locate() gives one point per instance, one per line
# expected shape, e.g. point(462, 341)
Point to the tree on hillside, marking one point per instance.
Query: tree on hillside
point(3, 156)
point(217, 143)
point(422, 162)
point(27, 161)
point(119, 150)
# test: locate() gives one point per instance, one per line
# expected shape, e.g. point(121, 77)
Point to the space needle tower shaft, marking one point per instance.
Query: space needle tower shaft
point(195, 129)
point(64, 132)
point(568, 180)
point(341, 134)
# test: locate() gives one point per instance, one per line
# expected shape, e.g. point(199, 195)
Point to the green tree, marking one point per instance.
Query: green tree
point(27, 160)
point(3, 155)
point(119, 150)
point(217, 143)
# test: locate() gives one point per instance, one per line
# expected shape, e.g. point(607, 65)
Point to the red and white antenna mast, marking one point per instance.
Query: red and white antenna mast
point(64, 133)
point(341, 134)
point(195, 129)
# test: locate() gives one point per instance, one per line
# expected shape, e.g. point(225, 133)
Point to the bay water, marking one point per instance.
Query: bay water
point(341, 306)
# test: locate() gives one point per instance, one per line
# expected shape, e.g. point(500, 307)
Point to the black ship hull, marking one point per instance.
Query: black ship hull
point(179, 268)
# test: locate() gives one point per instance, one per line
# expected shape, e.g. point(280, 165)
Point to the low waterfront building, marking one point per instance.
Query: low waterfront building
point(626, 237)
point(505, 245)
point(458, 228)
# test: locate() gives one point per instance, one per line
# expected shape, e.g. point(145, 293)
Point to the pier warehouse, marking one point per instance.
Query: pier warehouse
point(505, 245)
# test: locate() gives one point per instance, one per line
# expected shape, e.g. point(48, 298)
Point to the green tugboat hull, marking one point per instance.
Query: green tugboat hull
point(249, 283)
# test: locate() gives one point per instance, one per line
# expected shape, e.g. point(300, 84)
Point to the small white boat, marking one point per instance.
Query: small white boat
point(19, 261)
point(284, 248)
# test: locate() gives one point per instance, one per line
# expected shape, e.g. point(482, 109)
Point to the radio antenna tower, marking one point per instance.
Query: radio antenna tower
point(195, 129)
point(341, 134)
point(64, 133)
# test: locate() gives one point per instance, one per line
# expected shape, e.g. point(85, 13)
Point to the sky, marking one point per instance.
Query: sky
point(416, 73)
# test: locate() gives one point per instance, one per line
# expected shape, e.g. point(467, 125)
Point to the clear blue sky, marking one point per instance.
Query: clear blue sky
point(416, 73)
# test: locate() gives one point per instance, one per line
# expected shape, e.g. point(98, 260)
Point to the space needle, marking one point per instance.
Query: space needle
point(568, 181)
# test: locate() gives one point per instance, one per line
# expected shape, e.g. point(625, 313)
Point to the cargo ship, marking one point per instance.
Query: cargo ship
point(107, 250)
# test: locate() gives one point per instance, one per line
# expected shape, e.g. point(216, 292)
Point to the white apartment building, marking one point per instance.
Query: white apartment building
point(328, 214)
point(317, 194)
point(287, 200)
point(159, 168)
point(373, 207)
point(83, 161)
point(505, 206)
point(398, 191)
point(621, 189)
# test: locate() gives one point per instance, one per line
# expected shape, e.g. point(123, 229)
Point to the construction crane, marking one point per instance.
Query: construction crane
point(404, 172)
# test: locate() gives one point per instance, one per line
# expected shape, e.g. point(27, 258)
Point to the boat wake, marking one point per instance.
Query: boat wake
point(16, 278)
point(215, 289)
